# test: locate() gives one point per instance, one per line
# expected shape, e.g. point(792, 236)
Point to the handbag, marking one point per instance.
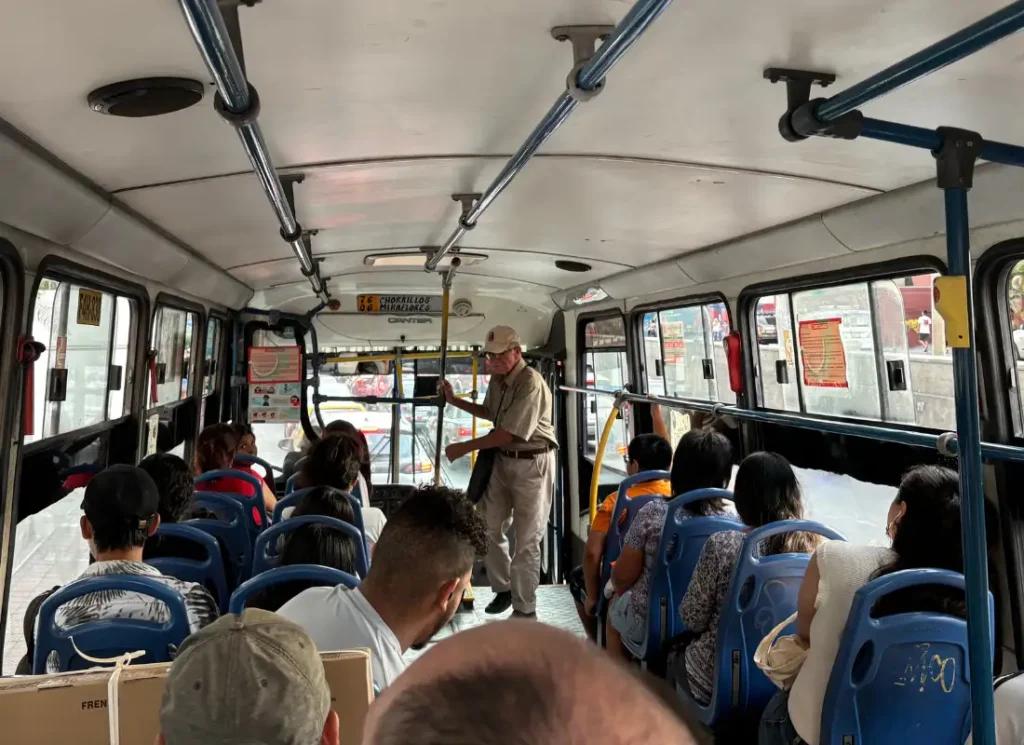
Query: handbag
point(481, 475)
point(781, 657)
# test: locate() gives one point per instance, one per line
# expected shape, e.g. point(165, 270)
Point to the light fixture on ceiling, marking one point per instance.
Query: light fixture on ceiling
point(588, 295)
point(146, 97)
point(402, 259)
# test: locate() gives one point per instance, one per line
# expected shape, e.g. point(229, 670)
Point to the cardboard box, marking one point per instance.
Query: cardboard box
point(72, 707)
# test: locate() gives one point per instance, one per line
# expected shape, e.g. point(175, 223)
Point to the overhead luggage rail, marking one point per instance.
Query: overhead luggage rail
point(956, 151)
point(237, 102)
point(586, 79)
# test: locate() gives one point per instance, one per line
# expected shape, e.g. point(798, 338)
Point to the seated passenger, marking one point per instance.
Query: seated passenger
point(924, 526)
point(422, 566)
point(248, 678)
point(365, 479)
point(646, 453)
point(702, 460)
point(766, 491)
point(522, 682)
point(121, 511)
point(312, 544)
point(216, 449)
point(246, 439)
point(1009, 701)
point(334, 461)
point(173, 480)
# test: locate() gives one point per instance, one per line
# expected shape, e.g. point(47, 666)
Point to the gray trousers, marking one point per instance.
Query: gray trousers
point(518, 496)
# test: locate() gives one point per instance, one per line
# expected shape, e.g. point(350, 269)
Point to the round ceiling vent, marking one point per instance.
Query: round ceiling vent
point(146, 97)
point(572, 266)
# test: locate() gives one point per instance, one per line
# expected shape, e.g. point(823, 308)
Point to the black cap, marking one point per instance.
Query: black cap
point(122, 490)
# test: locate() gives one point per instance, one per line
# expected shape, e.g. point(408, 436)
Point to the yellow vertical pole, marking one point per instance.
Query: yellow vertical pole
point(599, 457)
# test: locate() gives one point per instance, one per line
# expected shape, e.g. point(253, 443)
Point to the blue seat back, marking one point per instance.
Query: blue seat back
point(625, 511)
point(251, 503)
point(247, 460)
point(298, 572)
point(289, 485)
point(682, 540)
point(293, 499)
point(109, 637)
point(902, 678)
point(265, 554)
point(762, 594)
point(229, 527)
point(208, 572)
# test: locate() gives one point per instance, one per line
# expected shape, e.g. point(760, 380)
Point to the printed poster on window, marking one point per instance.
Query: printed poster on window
point(275, 384)
point(824, 358)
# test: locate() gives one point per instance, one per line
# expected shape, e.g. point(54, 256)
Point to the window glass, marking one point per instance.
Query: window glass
point(1015, 307)
point(214, 340)
point(73, 386)
point(684, 356)
point(606, 368)
point(172, 342)
point(869, 350)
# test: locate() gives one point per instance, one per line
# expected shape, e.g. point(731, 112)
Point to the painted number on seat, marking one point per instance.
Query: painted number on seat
point(89, 304)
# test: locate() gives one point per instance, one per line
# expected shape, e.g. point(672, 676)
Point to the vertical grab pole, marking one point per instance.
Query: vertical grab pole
point(446, 286)
point(954, 301)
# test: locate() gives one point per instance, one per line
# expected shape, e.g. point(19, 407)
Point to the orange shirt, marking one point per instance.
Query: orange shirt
point(603, 519)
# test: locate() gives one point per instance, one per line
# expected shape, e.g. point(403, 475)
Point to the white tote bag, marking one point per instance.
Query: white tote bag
point(780, 657)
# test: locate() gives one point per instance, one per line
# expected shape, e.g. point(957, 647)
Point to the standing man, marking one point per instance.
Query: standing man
point(924, 329)
point(522, 484)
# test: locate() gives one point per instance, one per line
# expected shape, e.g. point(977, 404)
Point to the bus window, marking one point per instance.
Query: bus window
point(869, 350)
point(1015, 308)
point(418, 432)
point(605, 367)
point(77, 382)
point(171, 344)
point(214, 343)
point(684, 356)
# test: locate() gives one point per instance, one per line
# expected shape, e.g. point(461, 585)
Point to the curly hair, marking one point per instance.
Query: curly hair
point(216, 447)
point(432, 538)
point(173, 480)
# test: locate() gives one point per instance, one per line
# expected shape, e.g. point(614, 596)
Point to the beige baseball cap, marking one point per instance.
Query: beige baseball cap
point(253, 678)
point(501, 339)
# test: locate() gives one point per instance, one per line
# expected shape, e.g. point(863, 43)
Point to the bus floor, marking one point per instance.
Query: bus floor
point(555, 607)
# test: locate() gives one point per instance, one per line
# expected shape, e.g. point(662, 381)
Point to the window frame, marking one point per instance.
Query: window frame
point(186, 306)
point(220, 352)
point(62, 270)
point(894, 269)
point(582, 350)
point(636, 321)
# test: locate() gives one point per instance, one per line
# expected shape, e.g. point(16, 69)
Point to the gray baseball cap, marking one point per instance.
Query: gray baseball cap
point(253, 678)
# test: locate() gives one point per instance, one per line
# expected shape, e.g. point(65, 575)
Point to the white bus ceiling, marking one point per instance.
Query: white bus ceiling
point(673, 181)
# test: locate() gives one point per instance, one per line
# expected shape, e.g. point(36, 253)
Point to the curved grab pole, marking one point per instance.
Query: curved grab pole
point(606, 434)
point(583, 83)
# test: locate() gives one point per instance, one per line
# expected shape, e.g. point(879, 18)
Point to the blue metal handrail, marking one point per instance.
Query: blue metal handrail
point(955, 47)
point(589, 78)
point(929, 139)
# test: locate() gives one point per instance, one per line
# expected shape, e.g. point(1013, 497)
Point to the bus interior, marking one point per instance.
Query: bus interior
point(189, 184)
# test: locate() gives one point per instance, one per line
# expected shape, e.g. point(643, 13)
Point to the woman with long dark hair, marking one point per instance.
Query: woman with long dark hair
point(766, 491)
point(703, 460)
point(216, 448)
point(923, 525)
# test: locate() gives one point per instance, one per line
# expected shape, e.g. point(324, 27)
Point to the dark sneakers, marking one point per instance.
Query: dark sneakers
point(501, 603)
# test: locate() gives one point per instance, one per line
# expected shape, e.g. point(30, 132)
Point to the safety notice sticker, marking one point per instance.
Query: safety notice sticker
point(823, 354)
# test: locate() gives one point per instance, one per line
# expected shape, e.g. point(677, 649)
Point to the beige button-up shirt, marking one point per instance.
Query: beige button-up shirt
point(520, 404)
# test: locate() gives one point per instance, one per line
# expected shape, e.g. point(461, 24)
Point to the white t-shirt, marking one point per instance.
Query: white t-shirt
point(1009, 697)
point(338, 618)
point(843, 568)
point(924, 324)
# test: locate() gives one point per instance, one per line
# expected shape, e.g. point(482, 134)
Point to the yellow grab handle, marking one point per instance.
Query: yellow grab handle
point(598, 457)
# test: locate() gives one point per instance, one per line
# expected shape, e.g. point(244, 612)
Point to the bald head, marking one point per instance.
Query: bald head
point(519, 682)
